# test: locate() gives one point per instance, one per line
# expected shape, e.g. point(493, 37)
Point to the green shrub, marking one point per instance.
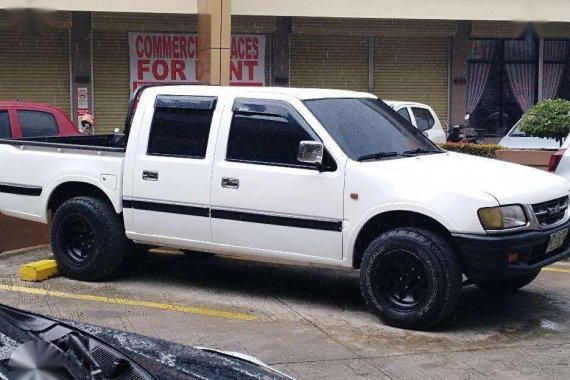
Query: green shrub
point(482, 150)
point(547, 119)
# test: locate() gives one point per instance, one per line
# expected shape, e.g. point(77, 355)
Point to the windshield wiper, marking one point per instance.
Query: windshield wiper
point(421, 151)
point(376, 156)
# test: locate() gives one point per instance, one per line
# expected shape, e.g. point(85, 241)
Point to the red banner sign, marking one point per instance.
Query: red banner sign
point(171, 58)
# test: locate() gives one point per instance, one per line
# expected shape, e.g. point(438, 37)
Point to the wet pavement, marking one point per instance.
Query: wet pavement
point(310, 322)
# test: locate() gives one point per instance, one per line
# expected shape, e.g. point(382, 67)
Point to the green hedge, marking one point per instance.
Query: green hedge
point(482, 150)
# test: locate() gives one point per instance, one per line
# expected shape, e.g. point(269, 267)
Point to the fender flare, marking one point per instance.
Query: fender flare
point(383, 209)
point(112, 195)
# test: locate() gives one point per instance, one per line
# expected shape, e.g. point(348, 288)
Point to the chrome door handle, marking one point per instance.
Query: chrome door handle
point(230, 183)
point(150, 175)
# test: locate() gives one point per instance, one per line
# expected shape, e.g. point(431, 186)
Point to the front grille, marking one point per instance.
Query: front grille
point(550, 212)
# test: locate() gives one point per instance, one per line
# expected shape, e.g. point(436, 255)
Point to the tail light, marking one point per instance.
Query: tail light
point(555, 160)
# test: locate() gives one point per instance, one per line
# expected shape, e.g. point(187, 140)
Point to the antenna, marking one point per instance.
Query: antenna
point(18, 97)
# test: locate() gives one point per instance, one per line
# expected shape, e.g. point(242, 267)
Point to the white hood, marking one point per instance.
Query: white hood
point(507, 182)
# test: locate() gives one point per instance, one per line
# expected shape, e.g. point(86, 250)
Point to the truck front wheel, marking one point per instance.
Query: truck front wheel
point(410, 278)
point(87, 239)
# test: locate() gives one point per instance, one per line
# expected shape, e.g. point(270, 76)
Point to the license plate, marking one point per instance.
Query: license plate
point(556, 240)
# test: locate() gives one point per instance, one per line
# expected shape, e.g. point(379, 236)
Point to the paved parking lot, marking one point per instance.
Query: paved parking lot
point(311, 323)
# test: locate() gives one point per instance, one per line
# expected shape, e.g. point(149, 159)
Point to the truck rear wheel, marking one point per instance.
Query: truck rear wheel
point(410, 278)
point(510, 284)
point(87, 239)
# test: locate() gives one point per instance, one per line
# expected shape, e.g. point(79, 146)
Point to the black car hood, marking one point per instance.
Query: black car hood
point(148, 358)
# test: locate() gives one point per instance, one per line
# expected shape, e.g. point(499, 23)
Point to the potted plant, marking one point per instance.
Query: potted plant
point(547, 119)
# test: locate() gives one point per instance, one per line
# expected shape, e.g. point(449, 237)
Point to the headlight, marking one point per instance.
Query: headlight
point(503, 217)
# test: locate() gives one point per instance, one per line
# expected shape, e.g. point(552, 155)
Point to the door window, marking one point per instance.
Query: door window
point(424, 118)
point(270, 136)
point(181, 127)
point(405, 114)
point(5, 129)
point(37, 124)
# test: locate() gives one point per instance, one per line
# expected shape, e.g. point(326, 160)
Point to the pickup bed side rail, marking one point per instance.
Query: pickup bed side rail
point(104, 143)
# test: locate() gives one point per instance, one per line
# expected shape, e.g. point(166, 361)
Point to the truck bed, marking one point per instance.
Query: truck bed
point(109, 142)
point(33, 168)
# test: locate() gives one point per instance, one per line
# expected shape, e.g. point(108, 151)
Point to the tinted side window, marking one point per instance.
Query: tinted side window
point(181, 132)
point(405, 114)
point(37, 124)
point(265, 139)
point(424, 118)
point(5, 129)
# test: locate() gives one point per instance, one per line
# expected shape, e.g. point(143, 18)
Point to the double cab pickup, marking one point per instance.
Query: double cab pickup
point(326, 177)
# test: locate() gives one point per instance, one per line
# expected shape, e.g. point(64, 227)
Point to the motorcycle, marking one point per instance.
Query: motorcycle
point(456, 134)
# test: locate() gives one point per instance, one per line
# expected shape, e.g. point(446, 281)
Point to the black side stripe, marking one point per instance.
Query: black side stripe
point(313, 224)
point(167, 207)
point(34, 191)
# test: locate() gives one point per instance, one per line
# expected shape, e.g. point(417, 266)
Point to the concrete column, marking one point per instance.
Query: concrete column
point(280, 47)
point(214, 41)
point(81, 62)
point(460, 46)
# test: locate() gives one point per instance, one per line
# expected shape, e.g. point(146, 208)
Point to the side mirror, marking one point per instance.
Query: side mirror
point(311, 152)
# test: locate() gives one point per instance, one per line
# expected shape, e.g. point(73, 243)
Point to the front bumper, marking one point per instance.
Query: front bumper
point(486, 257)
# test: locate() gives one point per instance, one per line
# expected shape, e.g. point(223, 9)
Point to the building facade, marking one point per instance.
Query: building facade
point(91, 60)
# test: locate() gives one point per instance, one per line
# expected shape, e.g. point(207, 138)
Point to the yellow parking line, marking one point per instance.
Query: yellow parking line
point(129, 302)
point(557, 270)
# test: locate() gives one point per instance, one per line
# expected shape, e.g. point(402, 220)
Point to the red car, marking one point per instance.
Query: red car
point(28, 119)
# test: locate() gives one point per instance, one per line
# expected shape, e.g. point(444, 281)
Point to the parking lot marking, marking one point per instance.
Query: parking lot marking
point(130, 302)
point(557, 270)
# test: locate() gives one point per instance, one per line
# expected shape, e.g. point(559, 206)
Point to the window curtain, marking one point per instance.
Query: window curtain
point(554, 52)
point(478, 72)
point(521, 75)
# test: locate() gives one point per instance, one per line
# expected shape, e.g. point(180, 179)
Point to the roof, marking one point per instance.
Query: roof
point(26, 104)
point(300, 93)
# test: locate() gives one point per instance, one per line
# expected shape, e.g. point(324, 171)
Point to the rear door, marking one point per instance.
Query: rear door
point(36, 123)
point(263, 199)
point(170, 194)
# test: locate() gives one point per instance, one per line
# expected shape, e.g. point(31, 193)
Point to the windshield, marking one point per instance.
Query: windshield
point(366, 126)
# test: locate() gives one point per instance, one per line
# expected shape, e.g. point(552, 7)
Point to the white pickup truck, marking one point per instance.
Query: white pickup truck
point(313, 176)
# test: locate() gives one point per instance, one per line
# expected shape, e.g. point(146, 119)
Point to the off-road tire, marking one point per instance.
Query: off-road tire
point(435, 263)
point(89, 225)
point(508, 285)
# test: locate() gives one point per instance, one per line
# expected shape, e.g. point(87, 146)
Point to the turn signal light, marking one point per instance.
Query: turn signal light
point(555, 160)
point(513, 257)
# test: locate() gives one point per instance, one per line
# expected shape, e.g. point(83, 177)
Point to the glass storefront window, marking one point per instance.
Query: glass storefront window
point(555, 74)
point(502, 80)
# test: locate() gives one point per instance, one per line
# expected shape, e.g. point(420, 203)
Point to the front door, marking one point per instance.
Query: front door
point(170, 192)
point(263, 199)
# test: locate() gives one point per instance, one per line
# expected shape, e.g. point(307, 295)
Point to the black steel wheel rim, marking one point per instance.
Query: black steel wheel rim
point(402, 281)
point(77, 239)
